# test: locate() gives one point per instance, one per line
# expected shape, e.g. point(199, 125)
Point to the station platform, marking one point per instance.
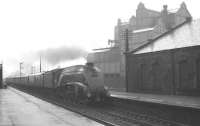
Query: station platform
point(172, 100)
point(20, 109)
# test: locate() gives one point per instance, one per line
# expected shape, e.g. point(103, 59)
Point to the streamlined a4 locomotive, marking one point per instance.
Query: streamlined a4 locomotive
point(82, 83)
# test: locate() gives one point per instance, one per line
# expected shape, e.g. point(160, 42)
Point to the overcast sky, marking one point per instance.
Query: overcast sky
point(28, 26)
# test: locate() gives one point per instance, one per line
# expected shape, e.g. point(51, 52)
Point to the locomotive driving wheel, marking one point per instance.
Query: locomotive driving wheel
point(70, 95)
point(74, 93)
point(80, 95)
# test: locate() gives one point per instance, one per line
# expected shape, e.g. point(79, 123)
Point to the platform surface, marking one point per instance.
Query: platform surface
point(20, 109)
point(184, 101)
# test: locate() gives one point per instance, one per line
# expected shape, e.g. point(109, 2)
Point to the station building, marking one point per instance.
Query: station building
point(142, 28)
point(169, 63)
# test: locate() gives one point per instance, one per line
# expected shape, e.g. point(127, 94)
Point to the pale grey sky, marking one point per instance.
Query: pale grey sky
point(30, 25)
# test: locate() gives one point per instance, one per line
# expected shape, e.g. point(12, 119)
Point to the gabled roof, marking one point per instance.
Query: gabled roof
point(150, 41)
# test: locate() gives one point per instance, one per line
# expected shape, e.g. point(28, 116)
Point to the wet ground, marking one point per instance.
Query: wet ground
point(20, 109)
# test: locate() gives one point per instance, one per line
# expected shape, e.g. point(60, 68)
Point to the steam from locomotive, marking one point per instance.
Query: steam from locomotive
point(60, 54)
point(51, 58)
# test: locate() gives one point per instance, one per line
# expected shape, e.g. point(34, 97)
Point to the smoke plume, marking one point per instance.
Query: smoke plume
point(56, 55)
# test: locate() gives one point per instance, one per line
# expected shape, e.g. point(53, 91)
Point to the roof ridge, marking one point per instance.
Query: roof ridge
point(149, 41)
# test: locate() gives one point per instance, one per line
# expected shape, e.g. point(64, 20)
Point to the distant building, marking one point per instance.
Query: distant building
point(146, 25)
point(185, 35)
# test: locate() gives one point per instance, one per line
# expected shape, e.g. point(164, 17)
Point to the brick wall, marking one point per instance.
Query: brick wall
point(175, 71)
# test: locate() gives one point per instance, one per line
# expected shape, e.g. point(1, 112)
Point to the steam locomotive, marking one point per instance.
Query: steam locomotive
point(82, 83)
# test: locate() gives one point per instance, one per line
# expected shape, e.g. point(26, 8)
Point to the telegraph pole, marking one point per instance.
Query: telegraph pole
point(32, 67)
point(40, 65)
point(126, 57)
point(20, 69)
point(1, 75)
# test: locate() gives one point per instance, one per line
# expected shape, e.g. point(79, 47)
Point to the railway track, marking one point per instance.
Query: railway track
point(109, 115)
point(174, 115)
point(141, 118)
